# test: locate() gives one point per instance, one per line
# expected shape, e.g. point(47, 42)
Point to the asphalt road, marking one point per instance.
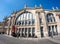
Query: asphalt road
point(11, 40)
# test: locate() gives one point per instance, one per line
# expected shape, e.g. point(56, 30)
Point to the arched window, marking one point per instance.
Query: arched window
point(26, 18)
point(50, 17)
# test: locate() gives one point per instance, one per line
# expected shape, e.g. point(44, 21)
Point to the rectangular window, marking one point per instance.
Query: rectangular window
point(19, 22)
point(40, 21)
point(53, 30)
point(33, 21)
point(26, 30)
point(22, 22)
point(54, 19)
point(59, 17)
point(49, 30)
point(41, 30)
point(25, 22)
point(29, 22)
point(56, 29)
point(33, 30)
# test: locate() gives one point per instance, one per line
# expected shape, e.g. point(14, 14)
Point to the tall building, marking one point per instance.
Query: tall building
point(34, 22)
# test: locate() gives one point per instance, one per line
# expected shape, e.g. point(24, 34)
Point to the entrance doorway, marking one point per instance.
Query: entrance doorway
point(52, 30)
point(49, 31)
point(41, 29)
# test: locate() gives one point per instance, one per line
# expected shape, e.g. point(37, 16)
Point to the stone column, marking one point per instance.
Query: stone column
point(37, 23)
point(20, 32)
point(58, 23)
point(24, 31)
point(45, 24)
point(7, 31)
point(54, 30)
point(10, 32)
point(31, 31)
point(45, 32)
point(27, 32)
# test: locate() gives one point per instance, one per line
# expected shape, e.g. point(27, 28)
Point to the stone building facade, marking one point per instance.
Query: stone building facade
point(34, 22)
point(1, 28)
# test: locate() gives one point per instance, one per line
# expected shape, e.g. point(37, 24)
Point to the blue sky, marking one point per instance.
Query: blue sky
point(7, 6)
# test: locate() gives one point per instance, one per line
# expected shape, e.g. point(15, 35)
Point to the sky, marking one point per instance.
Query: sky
point(8, 6)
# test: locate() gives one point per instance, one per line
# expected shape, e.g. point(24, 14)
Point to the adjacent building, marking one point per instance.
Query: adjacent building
point(1, 28)
point(34, 22)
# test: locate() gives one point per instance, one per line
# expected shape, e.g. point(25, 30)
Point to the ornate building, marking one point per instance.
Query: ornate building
point(34, 22)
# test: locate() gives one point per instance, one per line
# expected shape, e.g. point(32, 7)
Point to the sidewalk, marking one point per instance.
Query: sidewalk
point(55, 39)
point(7, 35)
point(25, 38)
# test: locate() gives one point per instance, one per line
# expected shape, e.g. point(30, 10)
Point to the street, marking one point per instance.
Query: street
point(11, 40)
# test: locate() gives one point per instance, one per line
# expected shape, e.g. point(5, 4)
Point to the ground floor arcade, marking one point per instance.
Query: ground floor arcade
point(31, 31)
